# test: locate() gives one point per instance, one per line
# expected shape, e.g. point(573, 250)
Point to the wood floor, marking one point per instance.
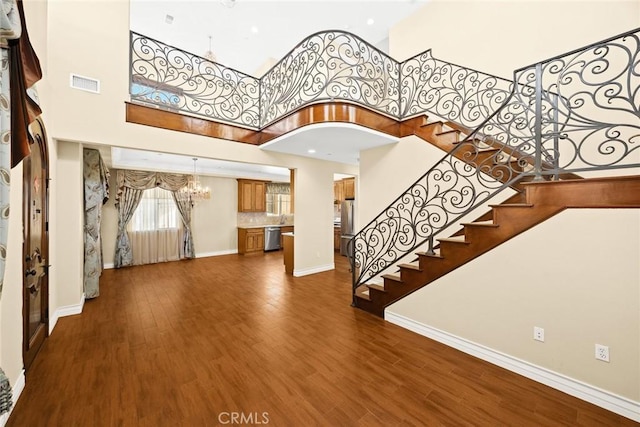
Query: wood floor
point(197, 343)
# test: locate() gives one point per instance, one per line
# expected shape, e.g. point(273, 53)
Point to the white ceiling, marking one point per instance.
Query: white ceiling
point(245, 37)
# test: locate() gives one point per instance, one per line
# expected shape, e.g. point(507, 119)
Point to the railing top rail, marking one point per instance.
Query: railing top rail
point(580, 49)
point(327, 32)
point(198, 56)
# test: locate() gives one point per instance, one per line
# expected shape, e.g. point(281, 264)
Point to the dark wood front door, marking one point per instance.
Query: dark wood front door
point(36, 245)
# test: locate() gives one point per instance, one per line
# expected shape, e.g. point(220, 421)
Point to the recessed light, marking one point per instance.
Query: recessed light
point(254, 29)
point(311, 151)
point(168, 19)
point(370, 21)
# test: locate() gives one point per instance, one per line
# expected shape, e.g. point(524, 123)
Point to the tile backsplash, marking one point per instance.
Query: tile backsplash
point(246, 219)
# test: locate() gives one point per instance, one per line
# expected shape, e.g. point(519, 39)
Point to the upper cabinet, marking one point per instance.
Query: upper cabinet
point(345, 189)
point(252, 196)
point(349, 188)
point(338, 192)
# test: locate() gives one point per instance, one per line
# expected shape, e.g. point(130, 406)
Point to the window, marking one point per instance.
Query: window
point(156, 211)
point(278, 199)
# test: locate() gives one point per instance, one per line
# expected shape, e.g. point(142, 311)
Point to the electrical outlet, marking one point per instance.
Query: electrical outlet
point(538, 333)
point(602, 352)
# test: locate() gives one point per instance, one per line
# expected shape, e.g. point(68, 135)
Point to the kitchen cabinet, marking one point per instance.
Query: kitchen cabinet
point(287, 229)
point(338, 192)
point(349, 188)
point(345, 189)
point(336, 238)
point(252, 196)
point(288, 253)
point(250, 240)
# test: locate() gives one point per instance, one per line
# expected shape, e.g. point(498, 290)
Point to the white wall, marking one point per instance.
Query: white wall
point(215, 220)
point(500, 36)
point(575, 275)
point(561, 272)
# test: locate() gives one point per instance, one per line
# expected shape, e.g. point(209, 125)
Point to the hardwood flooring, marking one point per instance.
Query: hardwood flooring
point(232, 338)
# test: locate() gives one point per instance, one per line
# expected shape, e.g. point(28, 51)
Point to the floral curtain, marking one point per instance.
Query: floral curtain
point(184, 207)
point(130, 185)
point(96, 194)
point(126, 204)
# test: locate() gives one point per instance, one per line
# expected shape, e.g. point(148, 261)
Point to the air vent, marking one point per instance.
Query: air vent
point(85, 83)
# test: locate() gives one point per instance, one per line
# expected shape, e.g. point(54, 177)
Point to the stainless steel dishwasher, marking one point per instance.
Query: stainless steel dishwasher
point(271, 238)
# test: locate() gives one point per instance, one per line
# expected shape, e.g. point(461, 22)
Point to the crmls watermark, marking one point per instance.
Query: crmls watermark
point(254, 418)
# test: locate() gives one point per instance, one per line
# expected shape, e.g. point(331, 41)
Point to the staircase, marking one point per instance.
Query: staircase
point(542, 201)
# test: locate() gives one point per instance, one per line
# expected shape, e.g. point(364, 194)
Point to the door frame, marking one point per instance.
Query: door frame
point(38, 131)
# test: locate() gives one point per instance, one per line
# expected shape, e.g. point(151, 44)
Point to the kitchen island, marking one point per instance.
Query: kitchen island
point(288, 252)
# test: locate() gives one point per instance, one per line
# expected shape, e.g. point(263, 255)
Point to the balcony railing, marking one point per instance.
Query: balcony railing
point(326, 66)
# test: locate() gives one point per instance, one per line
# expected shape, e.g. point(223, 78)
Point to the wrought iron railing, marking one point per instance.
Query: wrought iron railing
point(578, 112)
point(449, 91)
point(171, 78)
point(326, 66)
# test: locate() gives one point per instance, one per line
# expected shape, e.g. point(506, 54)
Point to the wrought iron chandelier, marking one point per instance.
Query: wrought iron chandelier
point(193, 191)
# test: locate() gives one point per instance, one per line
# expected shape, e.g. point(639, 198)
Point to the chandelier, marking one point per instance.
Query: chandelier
point(193, 191)
point(209, 54)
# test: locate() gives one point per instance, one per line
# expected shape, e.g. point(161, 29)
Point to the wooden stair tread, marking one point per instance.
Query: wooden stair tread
point(446, 132)
point(488, 223)
point(376, 286)
point(392, 276)
point(410, 266)
point(454, 239)
point(362, 291)
point(512, 205)
point(435, 255)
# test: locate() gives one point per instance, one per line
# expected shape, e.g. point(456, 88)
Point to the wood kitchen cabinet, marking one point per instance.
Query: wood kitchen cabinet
point(252, 196)
point(287, 229)
point(338, 192)
point(336, 238)
point(250, 240)
point(349, 188)
point(345, 189)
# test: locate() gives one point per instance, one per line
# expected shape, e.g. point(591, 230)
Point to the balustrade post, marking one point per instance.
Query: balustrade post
point(538, 125)
point(431, 251)
point(556, 138)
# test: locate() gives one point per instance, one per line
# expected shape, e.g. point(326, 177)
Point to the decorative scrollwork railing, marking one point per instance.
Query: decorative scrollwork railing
point(578, 112)
point(326, 66)
point(452, 92)
point(331, 65)
point(174, 79)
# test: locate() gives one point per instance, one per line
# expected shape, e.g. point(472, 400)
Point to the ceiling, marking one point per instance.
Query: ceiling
point(248, 35)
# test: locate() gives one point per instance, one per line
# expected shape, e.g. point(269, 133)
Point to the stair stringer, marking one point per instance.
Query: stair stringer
point(543, 201)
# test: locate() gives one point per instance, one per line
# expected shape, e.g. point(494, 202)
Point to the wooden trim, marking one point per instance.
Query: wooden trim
point(337, 112)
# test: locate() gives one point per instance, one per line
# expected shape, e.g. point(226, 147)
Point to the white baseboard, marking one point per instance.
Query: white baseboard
point(216, 253)
point(313, 270)
point(198, 255)
point(67, 310)
point(16, 391)
point(607, 400)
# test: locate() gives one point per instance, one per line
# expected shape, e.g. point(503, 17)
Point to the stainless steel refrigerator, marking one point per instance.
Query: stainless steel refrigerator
point(347, 229)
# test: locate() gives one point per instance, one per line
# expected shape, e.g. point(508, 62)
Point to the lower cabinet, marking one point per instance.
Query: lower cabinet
point(287, 229)
point(250, 240)
point(336, 238)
